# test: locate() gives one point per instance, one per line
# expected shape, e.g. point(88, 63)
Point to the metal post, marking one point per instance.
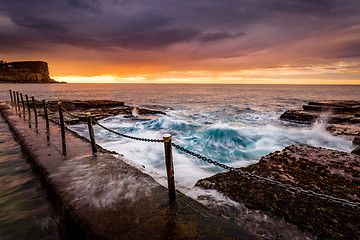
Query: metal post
point(169, 166)
point(18, 102)
point(45, 113)
point(11, 95)
point(23, 104)
point(22, 101)
point(17, 97)
point(91, 132)
point(28, 104)
point(62, 125)
point(34, 106)
point(47, 121)
point(14, 97)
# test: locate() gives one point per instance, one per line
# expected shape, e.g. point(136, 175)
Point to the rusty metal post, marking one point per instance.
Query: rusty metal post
point(28, 104)
point(17, 98)
point(23, 104)
point(11, 95)
point(62, 125)
point(14, 97)
point(18, 102)
point(169, 167)
point(22, 101)
point(45, 113)
point(47, 121)
point(91, 132)
point(34, 106)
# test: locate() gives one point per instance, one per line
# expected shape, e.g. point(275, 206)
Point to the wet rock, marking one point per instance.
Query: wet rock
point(356, 151)
point(99, 109)
point(299, 116)
point(341, 117)
point(324, 171)
point(357, 139)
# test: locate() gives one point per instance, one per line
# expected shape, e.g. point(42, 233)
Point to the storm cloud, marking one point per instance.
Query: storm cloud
point(196, 30)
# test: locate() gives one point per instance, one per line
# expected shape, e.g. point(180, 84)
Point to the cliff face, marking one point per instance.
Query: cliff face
point(25, 72)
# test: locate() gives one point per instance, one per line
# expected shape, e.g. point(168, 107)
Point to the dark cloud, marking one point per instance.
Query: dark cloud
point(41, 24)
point(157, 38)
point(209, 37)
point(229, 27)
point(82, 4)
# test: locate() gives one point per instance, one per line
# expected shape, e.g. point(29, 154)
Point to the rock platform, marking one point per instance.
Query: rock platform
point(325, 171)
point(99, 109)
point(102, 197)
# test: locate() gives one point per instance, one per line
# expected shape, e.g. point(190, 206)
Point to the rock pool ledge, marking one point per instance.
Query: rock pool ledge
point(322, 170)
point(102, 197)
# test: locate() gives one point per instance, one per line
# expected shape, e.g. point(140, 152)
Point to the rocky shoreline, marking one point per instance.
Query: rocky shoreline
point(99, 109)
point(342, 118)
point(321, 170)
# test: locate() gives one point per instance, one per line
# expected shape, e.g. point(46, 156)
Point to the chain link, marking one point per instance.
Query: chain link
point(66, 111)
point(270, 181)
point(298, 190)
point(128, 136)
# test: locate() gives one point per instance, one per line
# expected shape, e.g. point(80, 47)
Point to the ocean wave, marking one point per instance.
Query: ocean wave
point(168, 123)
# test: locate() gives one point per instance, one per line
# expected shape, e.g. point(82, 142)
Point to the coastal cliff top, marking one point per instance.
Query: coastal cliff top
point(25, 72)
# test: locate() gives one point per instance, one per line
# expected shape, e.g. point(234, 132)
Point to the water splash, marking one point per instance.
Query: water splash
point(135, 112)
point(101, 182)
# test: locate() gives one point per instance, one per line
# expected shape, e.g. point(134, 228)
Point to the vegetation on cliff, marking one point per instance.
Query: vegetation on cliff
point(25, 72)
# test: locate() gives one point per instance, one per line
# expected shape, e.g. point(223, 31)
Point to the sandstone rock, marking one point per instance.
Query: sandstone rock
point(324, 171)
point(25, 72)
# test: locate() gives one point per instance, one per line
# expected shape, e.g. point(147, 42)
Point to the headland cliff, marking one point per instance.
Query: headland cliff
point(25, 72)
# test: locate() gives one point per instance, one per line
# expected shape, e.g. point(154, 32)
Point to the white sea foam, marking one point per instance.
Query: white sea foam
point(99, 182)
point(232, 143)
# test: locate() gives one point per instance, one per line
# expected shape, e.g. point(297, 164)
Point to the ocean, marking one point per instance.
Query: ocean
point(232, 124)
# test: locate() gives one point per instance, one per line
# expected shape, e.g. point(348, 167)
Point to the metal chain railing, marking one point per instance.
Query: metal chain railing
point(269, 181)
point(298, 190)
point(74, 116)
point(128, 136)
point(115, 132)
point(238, 171)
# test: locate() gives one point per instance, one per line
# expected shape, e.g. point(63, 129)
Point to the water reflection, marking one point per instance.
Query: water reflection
point(25, 212)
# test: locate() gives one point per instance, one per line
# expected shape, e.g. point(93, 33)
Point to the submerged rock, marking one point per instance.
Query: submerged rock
point(326, 171)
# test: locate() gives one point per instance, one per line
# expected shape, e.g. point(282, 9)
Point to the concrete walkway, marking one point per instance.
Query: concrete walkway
point(105, 198)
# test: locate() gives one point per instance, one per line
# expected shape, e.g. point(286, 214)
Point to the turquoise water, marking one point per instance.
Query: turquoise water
point(233, 124)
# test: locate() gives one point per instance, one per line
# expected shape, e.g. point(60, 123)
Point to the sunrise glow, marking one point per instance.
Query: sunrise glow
point(295, 42)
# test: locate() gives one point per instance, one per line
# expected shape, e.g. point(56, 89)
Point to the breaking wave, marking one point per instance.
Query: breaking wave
point(227, 141)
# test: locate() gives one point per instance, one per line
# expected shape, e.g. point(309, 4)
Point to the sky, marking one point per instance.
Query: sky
point(201, 41)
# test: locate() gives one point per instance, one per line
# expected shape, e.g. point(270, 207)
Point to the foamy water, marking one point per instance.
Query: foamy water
point(233, 124)
point(235, 144)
